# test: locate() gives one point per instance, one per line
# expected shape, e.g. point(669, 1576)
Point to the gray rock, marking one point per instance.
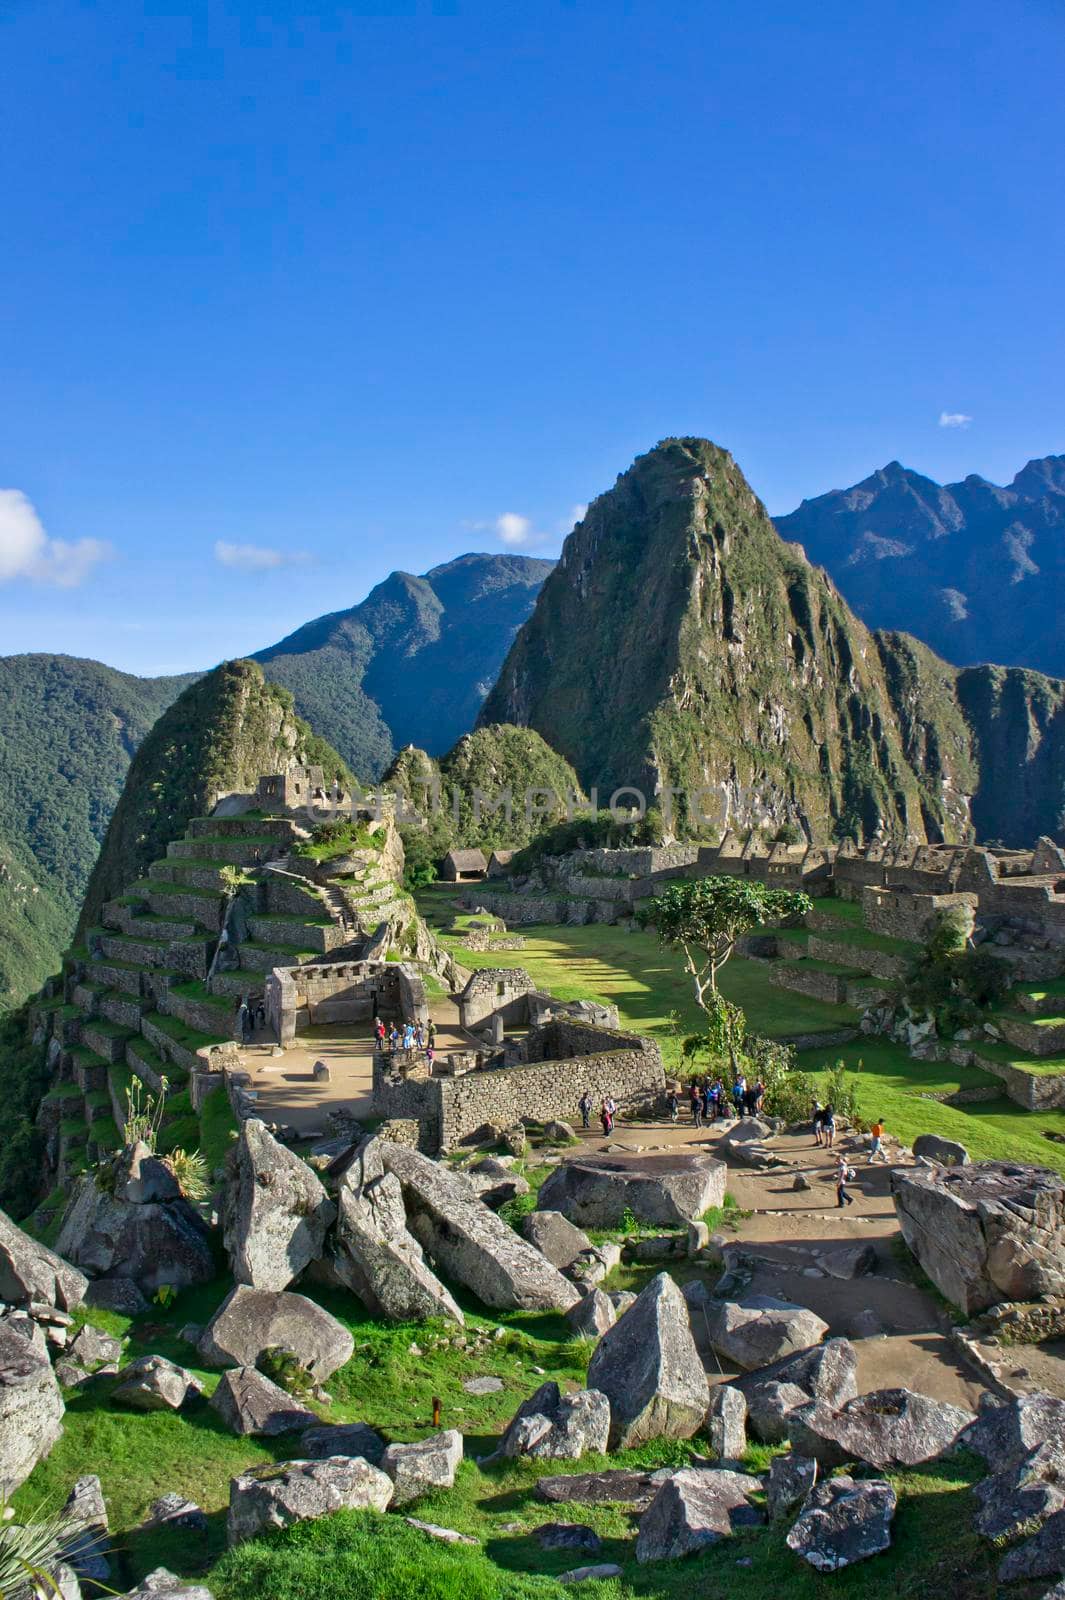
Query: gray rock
point(91, 1348)
point(759, 1330)
point(470, 1243)
point(31, 1272)
point(31, 1407)
point(844, 1521)
point(419, 1468)
point(249, 1403)
point(445, 1535)
point(592, 1316)
point(1042, 1556)
point(568, 1536)
point(555, 1237)
point(71, 1376)
point(1021, 1498)
point(485, 1385)
point(276, 1211)
point(376, 1255)
point(886, 1428)
point(342, 1439)
point(87, 1550)
point(622, 1300)
point(550, 1425)
point(591, 1267)
point(791, 1478)
point(1005, 1434)
point(867, 1325)
point(827, 1371)
point(143, 1178)
point(116, 1294)
point(649, 1369)
point(694, 1508)
point(946, 1151)
point(173, 1511)
point(617, 1487)
point(250, 1321)
point(297, 1491)
point(593, 1574)
point(987, 1232)
point(152, 1243)
point(162, 1585)
point(726, 1423)
point(557, 1132)
point(801, 1182)
point(152, 1383)
point(495, 1183)
point(749, 1130)
point(662, 1190)
point(769, 1405)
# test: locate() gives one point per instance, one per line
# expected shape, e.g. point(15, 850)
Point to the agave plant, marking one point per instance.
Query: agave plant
point(30, 1553)
point(190, 1170)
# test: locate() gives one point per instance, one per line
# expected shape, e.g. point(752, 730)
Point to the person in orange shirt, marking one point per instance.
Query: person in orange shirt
point(877, 1146)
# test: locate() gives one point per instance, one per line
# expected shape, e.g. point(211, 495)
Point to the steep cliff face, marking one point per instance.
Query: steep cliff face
point(1018, 725)
point(681, 642)
point(217, 738)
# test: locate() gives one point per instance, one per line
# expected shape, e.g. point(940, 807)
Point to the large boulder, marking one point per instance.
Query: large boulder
point(342, 1439)
point(297, 1491)
point(376, 1255)
point(469, 1242)
point(666, 1190)
point(421, 1467)
point(726, 1423)
point(154, 1242)
point(649, 1369)
point(1005, 1434)
point(143, 1178)
point(619, 1486)
point(769, 1405)
point(250, 1321)
point(152, 1383)
point(31, 1406)
point(555, 1237)
point(276, 1211)
point(31, 1272)
point(249, 1403)
point(760, 1329)
point(593, 1316)
point(844, 1521)
point(827, 1371)
point(694, 1508)
point(1041, 1556)
point(551, 1425)
point(791, 1478)
point(986, 1232)
point(947, 1152)
point(1021, 1498)
point(886, 1428)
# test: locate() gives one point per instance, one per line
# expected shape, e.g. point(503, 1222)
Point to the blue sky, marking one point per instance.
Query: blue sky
point(346, 289)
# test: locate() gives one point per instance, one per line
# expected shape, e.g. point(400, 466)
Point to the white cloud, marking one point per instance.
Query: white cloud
point(954, 419)
point(27, 552)
point(576, 514)
point(254, 557)
point(512, 529)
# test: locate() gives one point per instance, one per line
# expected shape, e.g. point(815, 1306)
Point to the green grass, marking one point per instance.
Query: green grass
point(1010, 1056)
point(175, 1029)
point(217, 1124)
point(848, 912)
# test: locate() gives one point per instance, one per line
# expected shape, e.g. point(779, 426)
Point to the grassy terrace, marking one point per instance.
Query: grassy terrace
point(652, 993)
point(1010, 1056)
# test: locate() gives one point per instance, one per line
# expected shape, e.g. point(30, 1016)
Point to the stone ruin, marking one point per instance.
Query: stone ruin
point(985, 1232)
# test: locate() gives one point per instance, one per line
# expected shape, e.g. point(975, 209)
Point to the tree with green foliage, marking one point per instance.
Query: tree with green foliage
point(704, 918)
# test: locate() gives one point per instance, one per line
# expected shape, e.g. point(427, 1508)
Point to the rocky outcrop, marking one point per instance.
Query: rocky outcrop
point(469, 1242)
point(649, 1368)
point(662, 1190)
point(885, 1428)
point(31, 1272)
point(693, 1509)
point(31, 1406)
point(276, 1211)
point(249, 1403)
point(844, 1521)
point(553, 1425)
point(421, 1467)
point(555, 1237)
point(297, 1491)
point(987, 1232)
point(376, 1255)
point(152, 1242)
point(250, 1321)
point(760, 1329)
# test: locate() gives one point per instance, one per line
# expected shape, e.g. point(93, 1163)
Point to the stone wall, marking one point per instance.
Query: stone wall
point(342, 992)
point(801, 978)
point(904, 915)
point(495, 991)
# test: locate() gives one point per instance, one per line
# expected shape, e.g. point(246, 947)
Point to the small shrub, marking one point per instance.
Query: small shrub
point(284, 1368)
point(190, 1169)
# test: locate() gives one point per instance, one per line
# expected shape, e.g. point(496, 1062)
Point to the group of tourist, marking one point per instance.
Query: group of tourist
point(249, 1017)
point(409, 1039)
point(709, 1100)
point(608, 1110)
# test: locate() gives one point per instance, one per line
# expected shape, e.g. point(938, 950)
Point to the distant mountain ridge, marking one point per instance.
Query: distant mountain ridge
point(975, 570)
point(413, 662)
point(682, 642)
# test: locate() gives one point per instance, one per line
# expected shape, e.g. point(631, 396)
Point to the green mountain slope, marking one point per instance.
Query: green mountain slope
point(681, 642)
point(412, 662)
point(67, 735)
point(218, 737)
